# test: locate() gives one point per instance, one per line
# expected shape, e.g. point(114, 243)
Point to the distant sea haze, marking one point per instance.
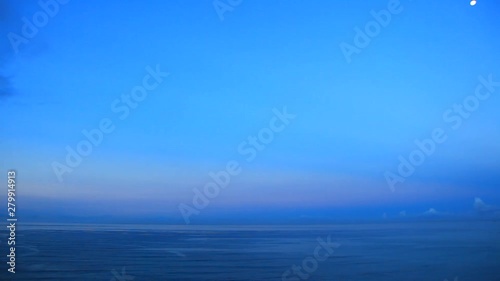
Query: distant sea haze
point(385, 251)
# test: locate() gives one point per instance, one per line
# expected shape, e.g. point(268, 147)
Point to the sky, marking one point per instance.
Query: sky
point(303, 111)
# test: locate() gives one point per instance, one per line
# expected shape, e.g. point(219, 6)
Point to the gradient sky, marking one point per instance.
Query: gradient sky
point(352, 122)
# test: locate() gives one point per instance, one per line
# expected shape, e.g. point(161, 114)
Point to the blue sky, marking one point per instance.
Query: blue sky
point(352, 119)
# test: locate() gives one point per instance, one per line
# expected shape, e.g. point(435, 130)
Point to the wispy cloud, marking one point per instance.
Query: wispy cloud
point(481, 207)
point(434, 213)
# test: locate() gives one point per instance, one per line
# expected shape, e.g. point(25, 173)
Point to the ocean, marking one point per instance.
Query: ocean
point(433, 251)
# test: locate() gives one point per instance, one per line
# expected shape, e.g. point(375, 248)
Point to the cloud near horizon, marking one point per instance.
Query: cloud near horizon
point(480, 206)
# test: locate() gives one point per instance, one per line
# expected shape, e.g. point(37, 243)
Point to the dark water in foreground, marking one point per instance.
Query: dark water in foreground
point(392, 251)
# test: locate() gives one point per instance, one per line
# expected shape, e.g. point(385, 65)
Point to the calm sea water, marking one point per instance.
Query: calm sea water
point(391, 251)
